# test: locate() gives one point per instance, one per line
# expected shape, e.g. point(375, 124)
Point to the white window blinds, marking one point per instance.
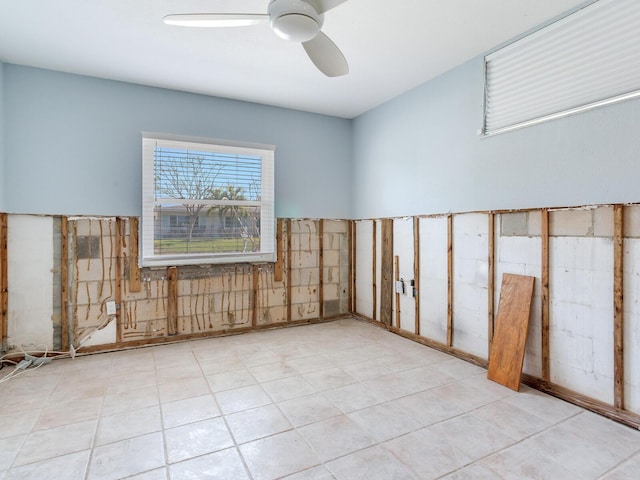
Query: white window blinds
point(206, 202)
point(587, 59)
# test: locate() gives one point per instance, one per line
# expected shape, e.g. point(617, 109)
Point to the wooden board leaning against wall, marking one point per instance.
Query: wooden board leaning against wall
point(583, 340)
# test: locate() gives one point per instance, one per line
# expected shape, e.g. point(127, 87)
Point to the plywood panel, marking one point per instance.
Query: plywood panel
point(386, 266)
point(510, 335)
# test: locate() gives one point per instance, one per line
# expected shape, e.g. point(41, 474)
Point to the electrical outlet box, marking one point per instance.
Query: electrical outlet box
point(111, 307)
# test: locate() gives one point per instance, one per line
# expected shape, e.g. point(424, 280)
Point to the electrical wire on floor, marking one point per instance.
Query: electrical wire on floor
point(28, 361)
point(31, 360)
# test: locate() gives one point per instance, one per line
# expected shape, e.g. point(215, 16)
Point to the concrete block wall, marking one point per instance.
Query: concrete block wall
point(581, 299)
point(517, 250)
point(210, 299)
point(580, 262)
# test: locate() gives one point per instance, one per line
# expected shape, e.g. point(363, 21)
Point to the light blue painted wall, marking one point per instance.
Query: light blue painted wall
point(74, 144)
point(420, 153)
point(2, 142)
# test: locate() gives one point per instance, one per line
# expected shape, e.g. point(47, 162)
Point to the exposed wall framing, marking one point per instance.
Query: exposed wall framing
point(4, 290)
point(585, 262)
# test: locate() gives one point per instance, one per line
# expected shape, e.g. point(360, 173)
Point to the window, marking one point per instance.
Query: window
point(585, 60)
point(206, 202)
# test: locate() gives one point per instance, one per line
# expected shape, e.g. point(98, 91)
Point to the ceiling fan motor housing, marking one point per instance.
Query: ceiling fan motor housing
point(295, 20)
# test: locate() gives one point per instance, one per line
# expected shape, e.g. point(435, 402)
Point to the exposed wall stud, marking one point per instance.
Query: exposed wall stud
point(352, 266)
point(374, 261)
point(134, 267)
point(64, 282)
point(416, 271)
point(618, 322)
point(255, 272)
point(289, 268)
point(172, 300)
point(4, 287)
point(546, 370)
point(386, 289)
point(396, 263)
point(320, 229)
point(118, 273)
point(277, 268)
point(491, 280)
point(449, 280)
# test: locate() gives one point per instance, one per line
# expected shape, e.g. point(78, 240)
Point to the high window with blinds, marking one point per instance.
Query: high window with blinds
point(585, 60)
point(206, 202)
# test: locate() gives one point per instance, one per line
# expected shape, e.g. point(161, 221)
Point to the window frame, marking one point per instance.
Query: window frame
point(266, 203)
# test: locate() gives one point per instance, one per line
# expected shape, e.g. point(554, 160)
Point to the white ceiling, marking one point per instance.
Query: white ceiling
point(391, 46)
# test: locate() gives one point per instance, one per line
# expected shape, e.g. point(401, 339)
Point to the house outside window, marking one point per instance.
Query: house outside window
point(206, 202)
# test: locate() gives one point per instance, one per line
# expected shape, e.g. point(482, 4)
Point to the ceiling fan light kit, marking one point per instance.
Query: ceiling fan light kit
point(294, 20)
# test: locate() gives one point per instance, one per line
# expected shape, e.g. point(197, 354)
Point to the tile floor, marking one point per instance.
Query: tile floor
point(341, 400)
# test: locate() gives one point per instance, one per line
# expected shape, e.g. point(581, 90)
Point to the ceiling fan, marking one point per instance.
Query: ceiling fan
point(294, 20)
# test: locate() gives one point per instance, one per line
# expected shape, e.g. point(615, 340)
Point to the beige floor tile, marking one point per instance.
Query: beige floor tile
point(521, 463)
point(157, 474)
point(382, 423)
point(128, 424)
point(223, 465)
point(329, 378)
point(583, 457)
point(66, 413)
point(127, 457)
point(367, 402)
point(133, 399)
point(230, 380)
point(426, 407)
point(17, 423)
point(55, 442)
point(257, 423)
point(336, 437)
point(288, 388)
point(9, 448)
point(353, 397)
point(189, 410)
point(374, 463)
point(183, 388)
point(313, 473)
point(245, 398)
point(67, 467)
point(474, 437)
point(279, 455)
point(427, 454)
point(195, 439)
point(310, 409)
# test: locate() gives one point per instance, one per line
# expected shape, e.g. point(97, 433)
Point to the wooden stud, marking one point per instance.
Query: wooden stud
point(618, 292)
point(134, 266)
point(449, 280)
point(118, 272)
point(386, 270)
point(491, 280)
point(289, 261)
point(172, 300)
point(255, 272)
point(546, 369)
point(64, 283)
point(352, 266)
point(416, 271)
point(396, 263)
point(320, 229)
point(277, 268)
point(4, 283)
point(374, 262)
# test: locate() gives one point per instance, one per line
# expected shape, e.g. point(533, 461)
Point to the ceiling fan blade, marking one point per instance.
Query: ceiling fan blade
point(215, 19)
point(326, 56)
point(322, 6)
